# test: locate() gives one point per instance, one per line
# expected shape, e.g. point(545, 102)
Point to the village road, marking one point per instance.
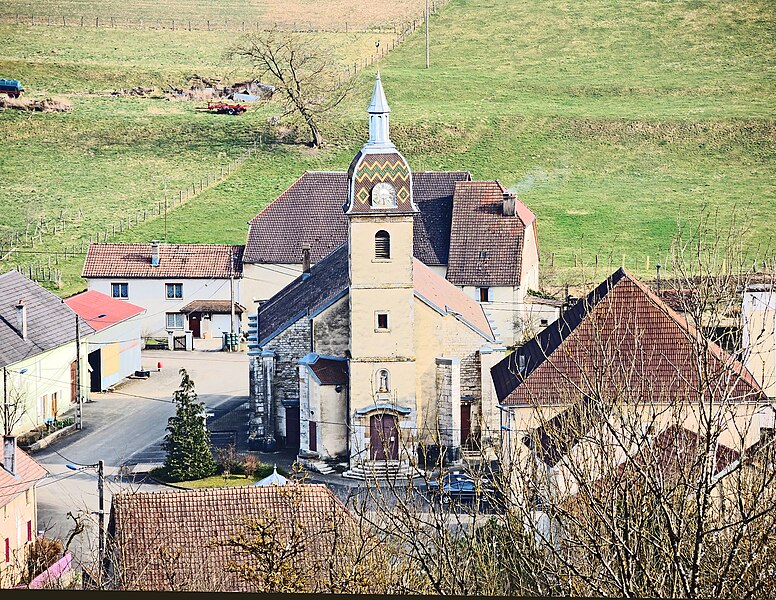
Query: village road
point(125, 428)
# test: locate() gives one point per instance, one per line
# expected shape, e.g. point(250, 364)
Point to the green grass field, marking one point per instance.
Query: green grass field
point(616, 123)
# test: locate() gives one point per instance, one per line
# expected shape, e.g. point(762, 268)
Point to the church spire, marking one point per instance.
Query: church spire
point(379, 112)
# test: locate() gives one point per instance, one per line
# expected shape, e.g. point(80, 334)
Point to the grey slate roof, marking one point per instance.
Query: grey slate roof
point(50, 322)
point(310, 212)
point(307, 294)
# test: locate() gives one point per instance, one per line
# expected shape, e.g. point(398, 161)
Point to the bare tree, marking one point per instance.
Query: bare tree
point(636, 472)
point(305, 75)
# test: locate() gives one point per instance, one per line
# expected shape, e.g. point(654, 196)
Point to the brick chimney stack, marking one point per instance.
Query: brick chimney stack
point(21, 319)
point(9, 453)
point(508, 206)
point(155, 253)
point(306, 258)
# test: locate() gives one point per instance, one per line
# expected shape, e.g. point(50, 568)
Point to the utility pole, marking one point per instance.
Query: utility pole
point(6, 414)
point(427, 49)
point(101, 509)
point(79, 422)
point(231, 293)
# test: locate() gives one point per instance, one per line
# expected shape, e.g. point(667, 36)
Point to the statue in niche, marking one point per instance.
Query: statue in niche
point(383, 387)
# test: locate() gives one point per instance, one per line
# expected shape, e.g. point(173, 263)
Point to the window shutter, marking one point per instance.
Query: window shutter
point(382, 245)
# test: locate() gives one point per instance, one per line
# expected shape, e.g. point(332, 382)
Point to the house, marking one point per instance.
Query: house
point(370, 353)
point(42, 352)
point(477, 234)
point(182, 540)
point(114, 347)
point(758, 313)
point(622, 357)
point(19, 473)
point(182, 287)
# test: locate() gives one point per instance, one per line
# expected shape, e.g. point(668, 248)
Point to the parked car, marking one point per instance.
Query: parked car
point(463, 489)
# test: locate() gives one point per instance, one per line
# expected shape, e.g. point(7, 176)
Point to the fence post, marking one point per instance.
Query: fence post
point(173, 24)
point(82, 21)
point(208, 25)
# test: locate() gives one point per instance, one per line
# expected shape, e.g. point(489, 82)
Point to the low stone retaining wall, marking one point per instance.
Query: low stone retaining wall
point(44, 442)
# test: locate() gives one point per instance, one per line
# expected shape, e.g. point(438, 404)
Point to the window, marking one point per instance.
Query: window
point(382, 244)
point(485, 294)
point(29, 531)
point(119, 290)
point(543, 322)
point(174, 290)
point(7, 549)
point(174, 320)
point(381, 321)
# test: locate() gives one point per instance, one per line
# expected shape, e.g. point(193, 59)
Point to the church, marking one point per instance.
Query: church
point(371, 354)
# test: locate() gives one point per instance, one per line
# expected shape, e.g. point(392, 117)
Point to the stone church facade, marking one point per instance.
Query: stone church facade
point(370, 355)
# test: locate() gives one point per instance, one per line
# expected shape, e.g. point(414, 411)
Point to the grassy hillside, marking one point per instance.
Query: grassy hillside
point(615, 124)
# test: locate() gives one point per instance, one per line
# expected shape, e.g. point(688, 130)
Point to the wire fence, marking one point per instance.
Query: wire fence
point(48, 269)
point(231, 25)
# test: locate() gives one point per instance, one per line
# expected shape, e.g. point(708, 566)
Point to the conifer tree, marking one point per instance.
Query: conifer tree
point(186, 443)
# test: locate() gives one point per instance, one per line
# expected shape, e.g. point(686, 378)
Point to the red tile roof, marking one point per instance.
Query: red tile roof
point(193, 261)
point(178, 539)
point(28, 472)
point(311, 212)
point(621, 341)
point(447, 298)
point(486, 246)
point(100, 310)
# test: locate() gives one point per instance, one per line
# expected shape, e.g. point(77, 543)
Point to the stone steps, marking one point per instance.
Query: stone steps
point(381, 469)
point(319, 466)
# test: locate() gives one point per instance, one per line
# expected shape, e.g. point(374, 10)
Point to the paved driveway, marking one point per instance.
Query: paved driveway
point(126, 427)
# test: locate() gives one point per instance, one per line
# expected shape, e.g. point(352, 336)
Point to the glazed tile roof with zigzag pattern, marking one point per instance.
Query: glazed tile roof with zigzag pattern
point(369, 169)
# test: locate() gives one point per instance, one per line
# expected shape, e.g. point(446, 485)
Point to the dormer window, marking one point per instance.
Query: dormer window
point(382, 244)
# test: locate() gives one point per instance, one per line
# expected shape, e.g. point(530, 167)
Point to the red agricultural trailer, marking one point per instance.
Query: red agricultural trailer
point(224, 108)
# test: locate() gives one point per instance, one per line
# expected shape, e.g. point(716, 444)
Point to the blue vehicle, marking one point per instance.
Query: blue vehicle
point(11, 87)
point(461, 488)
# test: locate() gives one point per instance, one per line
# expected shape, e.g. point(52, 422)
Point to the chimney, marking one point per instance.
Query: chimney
point(9, 453)
point(508, 204)
point(155, 253)
point(306, 258)
point(21, 319)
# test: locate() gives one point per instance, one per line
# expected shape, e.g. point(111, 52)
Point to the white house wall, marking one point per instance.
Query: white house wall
point(45, 374)
point(119, 346)
point(151, 295)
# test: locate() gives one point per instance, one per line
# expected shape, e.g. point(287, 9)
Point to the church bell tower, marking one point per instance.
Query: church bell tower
point(380, 212)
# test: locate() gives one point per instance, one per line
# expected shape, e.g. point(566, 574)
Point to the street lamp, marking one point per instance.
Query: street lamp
point(100, 466)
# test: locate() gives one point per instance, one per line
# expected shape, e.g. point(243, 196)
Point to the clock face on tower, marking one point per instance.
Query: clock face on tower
point(383, 196)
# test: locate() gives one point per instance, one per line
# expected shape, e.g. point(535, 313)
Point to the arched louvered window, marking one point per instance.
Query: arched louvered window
point(382, 244)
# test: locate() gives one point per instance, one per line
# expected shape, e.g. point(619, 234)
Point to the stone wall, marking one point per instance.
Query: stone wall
point(331, 330)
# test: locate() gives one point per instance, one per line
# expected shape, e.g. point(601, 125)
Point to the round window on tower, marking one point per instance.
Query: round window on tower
point(383, 196)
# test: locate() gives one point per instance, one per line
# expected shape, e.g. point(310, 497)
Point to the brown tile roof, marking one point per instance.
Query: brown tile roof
point(448, 299)
point(130, 261)
point(621, 341)
point(486, 246)
point(219, 307)
point(311, 212)
point(28, 472)
point(329, 370)
point(177, 540)
point(50, 322)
